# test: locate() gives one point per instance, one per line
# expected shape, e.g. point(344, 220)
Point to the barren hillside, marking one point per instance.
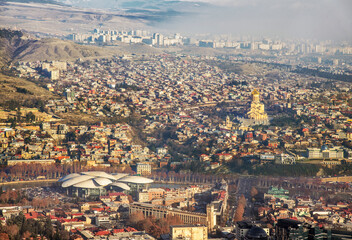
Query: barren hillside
point(19, 47)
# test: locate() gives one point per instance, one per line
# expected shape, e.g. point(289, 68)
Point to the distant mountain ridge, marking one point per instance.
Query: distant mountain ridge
point(35, 1)
point(161, 5)
point(149, 10)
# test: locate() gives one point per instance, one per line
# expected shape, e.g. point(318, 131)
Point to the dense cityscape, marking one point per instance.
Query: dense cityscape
point(113, 133)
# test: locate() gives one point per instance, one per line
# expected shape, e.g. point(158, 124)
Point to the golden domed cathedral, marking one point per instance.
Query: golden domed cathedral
point(257, 112)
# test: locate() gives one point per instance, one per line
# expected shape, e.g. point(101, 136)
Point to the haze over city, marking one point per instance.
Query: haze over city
point(290, 19)
point(314, 19)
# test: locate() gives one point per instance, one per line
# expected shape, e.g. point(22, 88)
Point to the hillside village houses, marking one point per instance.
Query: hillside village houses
point(191, 103)
point(174, 91)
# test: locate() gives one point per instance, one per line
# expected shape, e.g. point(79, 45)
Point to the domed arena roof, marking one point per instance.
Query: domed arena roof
point(256, 233)
point(99, 179)
point(135, 179)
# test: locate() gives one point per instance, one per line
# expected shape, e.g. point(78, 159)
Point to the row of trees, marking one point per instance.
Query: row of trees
point(152, 225)
point(52, 171)
point(191, 177)
point(241, 205)
point(296, 170)
point(239, 165)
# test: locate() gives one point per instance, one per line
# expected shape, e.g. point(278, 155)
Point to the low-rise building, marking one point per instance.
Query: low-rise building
point(191, 232)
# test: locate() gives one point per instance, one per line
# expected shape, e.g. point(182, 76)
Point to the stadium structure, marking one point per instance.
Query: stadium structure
point(96, 183)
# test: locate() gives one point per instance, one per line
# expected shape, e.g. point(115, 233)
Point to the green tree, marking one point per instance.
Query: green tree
point(70, 137)
point(85, 137)
point(18, 114)
point(12, 105)
point(30, 117)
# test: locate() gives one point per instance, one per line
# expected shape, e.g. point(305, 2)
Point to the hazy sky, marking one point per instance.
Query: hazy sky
point(327, 19)
point(321, 19)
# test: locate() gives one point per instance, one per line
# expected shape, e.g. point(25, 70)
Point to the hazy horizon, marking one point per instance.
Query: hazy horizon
point(313, 19)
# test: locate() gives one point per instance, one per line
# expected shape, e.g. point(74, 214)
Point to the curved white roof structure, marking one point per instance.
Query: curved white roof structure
point(119, 175)
point(99, 174)
point(75, 180)
point(88, 184)
point(98, 179)
point(135, 179)
point(102, 181)
point(72, 175)
point(121, 185)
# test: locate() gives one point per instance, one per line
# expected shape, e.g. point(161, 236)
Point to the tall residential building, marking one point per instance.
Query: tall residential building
point(144, 169)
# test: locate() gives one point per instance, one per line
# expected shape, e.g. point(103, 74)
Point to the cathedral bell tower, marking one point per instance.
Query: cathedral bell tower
point(257, 112)
point(255, 96)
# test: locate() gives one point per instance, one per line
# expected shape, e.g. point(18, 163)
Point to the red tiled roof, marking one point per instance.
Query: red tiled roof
point(98, 209)
point(102, 233)
point(130, 229)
